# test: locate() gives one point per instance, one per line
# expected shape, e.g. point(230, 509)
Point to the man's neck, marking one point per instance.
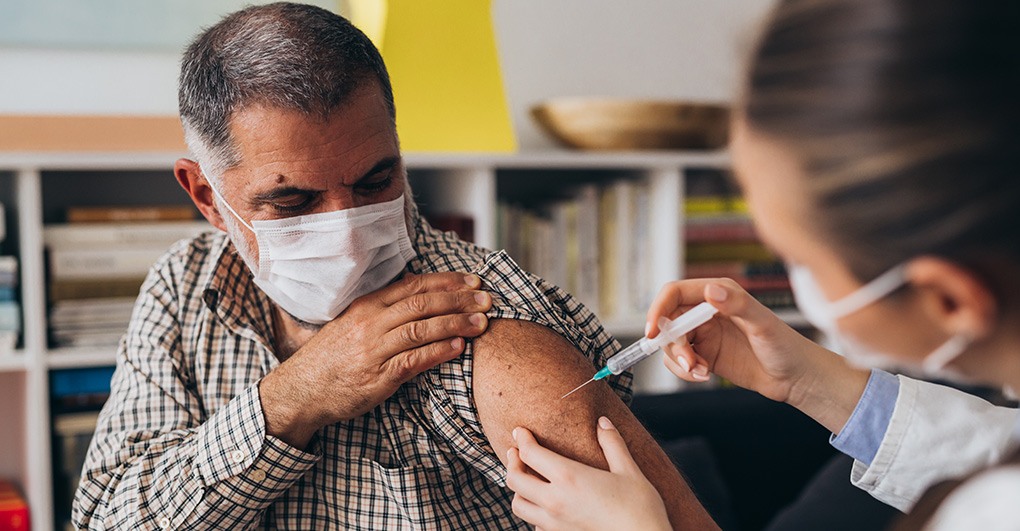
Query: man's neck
point(288, 335)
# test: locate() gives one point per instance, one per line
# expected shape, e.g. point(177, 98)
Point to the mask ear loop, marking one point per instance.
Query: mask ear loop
point(224, 201)
point(949, 351)
point(870, 293)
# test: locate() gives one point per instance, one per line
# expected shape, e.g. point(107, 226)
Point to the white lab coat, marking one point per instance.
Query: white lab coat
point(939, 433)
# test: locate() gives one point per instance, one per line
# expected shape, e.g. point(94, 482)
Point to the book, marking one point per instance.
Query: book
point(777, 299)
point(72, 433)
point(154, 234)
point(730, 230)
point(586, 284)
point(10, 316)
point(639, 270)
point(73, 387)
point(14, 515)
point(714, 205)
point(108, 214)
point(607, 264)
point(740, 251)
point(734, 269)
point(463, 226)
point(61, 290)
point(103, 262)
point(619, 251)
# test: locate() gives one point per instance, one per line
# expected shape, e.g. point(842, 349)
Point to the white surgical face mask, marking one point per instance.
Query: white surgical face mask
point(824, 316)
point(314, 266)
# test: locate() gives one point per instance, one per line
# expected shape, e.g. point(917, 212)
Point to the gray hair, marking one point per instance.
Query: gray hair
point(290, 56)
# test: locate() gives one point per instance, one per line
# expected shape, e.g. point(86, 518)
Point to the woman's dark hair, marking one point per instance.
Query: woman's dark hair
point(904, 117)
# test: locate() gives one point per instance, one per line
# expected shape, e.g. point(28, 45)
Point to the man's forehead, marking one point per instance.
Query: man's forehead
point(281, 146)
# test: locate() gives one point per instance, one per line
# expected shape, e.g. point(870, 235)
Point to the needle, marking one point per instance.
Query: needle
point(577, 388)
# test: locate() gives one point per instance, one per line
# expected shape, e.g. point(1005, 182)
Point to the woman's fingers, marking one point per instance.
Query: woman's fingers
point(615, 449)
point(682, 361)
point(672, 298)
point(547, 463)
point(519, 480)
point(530, 512)
point(733, 301)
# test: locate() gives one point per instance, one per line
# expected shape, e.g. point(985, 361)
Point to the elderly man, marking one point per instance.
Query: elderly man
point(277, 376)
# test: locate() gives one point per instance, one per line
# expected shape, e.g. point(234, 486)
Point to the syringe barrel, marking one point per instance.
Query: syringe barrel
point(671, 331)
point(630, 356)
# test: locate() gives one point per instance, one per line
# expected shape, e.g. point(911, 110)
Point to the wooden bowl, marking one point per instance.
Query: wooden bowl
point(617, 124)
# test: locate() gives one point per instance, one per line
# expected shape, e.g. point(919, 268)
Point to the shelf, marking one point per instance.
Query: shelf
point(454, 182)
point(74, 358)
point(560, 159)
point(13, 361)
point(550, 159)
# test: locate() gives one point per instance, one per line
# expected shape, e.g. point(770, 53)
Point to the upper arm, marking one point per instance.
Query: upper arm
point(521, 371)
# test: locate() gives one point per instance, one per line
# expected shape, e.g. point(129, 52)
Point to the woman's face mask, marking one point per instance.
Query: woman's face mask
point(824, 315)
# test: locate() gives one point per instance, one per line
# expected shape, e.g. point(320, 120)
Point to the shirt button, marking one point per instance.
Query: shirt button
point(237, 456)
point(164, 523)
point(258, 475)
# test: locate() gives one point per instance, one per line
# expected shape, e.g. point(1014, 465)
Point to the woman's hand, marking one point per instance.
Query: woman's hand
point(573, 495)
point(750, 346)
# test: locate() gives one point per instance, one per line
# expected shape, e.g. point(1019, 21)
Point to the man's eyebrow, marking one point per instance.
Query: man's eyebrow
point(385, 164)
point(278, 193)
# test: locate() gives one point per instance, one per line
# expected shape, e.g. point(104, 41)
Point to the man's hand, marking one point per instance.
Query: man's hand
point(360, 358)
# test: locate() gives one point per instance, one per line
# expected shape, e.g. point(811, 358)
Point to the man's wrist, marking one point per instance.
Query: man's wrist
point(285, 419)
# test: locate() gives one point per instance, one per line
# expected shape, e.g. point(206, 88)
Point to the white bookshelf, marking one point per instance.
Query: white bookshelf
point(13, 361)
point(464, 184)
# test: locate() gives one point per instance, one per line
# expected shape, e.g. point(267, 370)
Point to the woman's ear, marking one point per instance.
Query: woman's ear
point(191, 178)
point(954, 296)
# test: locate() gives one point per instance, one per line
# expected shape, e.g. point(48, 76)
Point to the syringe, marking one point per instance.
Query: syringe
point(669, 332)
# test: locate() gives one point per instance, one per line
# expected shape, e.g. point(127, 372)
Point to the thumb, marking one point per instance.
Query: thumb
point(615, 448)
point(733, 301)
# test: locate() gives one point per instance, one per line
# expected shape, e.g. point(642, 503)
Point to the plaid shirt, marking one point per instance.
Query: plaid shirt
point(182, 444)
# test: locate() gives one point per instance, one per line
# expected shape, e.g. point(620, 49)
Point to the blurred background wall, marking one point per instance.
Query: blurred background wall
point(645, 48)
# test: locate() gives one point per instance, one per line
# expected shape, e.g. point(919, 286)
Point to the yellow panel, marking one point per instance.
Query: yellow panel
point(370, 17)
point(444, 65)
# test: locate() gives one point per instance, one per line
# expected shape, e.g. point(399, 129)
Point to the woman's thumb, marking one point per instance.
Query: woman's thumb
point(615, 448)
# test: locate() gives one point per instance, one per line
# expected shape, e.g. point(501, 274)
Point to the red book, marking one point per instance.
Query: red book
point(13, 509)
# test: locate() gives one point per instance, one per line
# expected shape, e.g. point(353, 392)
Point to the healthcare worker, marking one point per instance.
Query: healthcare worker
point(878, 145)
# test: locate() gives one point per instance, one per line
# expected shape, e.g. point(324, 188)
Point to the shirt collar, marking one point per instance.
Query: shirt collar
point(231, 294)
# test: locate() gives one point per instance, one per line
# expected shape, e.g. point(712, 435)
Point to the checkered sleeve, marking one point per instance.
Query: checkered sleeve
point(516, 295)
point(158, 460)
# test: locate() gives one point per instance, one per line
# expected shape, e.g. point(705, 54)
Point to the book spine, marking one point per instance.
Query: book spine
point(607, 227)
point(64, 235)
point(117, 214)
point(62, 290)
point(728, 232)
point(588, 247)
point(97, 264)
point(14, 514)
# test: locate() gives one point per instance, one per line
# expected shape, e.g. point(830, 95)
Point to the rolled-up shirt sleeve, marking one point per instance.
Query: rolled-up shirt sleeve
point(158, 460)
point(862, 435)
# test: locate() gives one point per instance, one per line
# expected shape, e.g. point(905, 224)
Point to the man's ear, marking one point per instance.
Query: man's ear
point(955, 297)
point(191, 178)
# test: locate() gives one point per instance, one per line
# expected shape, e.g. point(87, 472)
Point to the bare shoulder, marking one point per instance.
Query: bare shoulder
point(521, 371)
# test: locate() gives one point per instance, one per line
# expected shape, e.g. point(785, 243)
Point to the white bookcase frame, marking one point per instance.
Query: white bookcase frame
point(464, 184)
